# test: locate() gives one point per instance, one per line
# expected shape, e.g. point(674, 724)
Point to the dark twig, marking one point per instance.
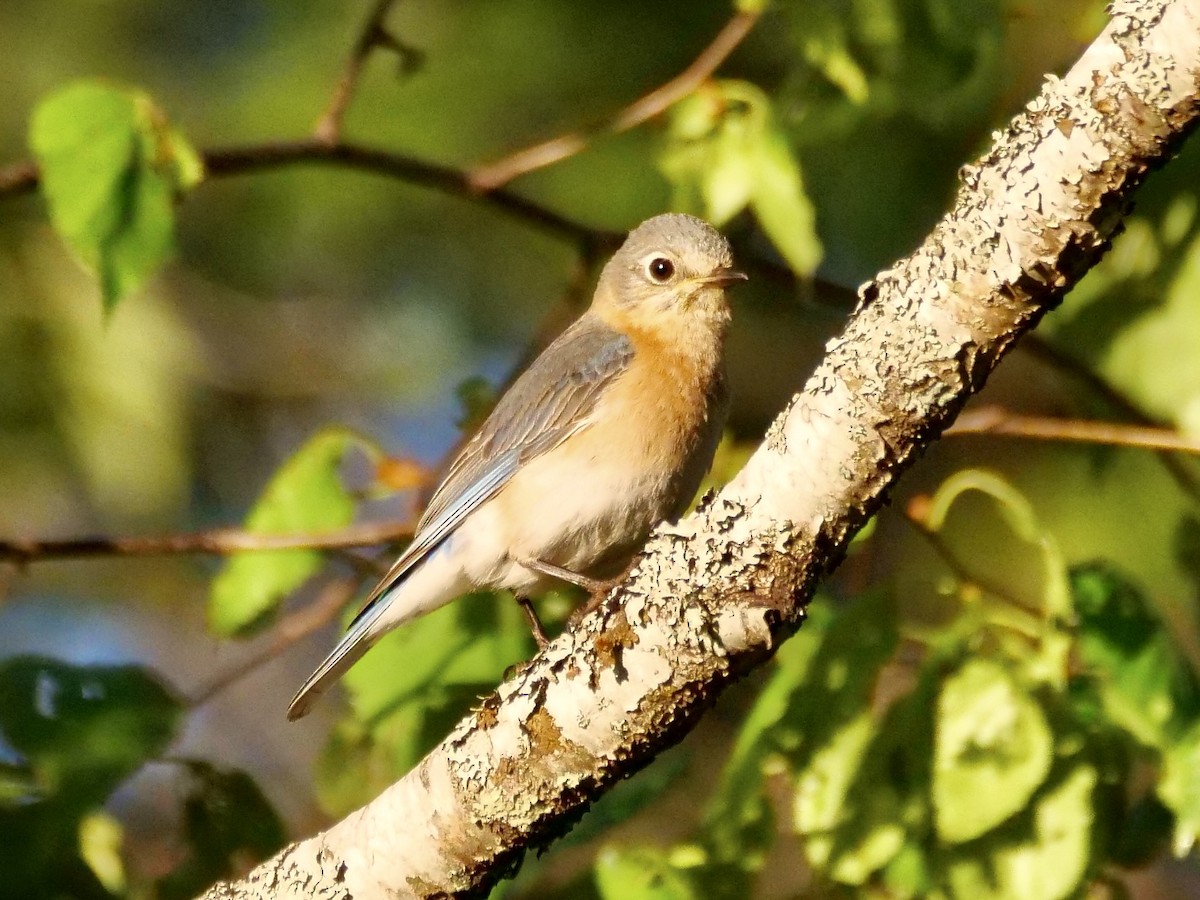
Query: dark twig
point(291, 629)
point(374, 34)
point(961, 571)
point(220, 541)
point(489, 176)
point(24, 177)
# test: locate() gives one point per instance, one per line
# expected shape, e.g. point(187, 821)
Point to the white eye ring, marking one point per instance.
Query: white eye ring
point(660, 269)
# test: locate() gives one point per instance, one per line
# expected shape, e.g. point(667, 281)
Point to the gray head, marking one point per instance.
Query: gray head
point(670, 263)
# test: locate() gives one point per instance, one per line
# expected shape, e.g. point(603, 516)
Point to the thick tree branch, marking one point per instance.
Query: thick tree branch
point(489, 176)
point(713, 594)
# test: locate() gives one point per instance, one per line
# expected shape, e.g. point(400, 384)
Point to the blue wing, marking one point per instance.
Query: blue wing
point(551, 400)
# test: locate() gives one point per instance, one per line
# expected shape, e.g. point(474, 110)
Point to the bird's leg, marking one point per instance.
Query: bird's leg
point(535, 624)
point(591, 585)
point(597, 589)
point(599, 592)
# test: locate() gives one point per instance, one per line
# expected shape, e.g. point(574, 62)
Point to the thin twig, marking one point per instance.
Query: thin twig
point(1069, 365)
point(489, 176)
point(219, 541)
point(24, 177)
point(961, 571)
point(999, 421)
point(374, 34)
point(291, 629)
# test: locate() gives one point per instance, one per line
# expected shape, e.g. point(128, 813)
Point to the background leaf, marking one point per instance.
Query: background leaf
point(306, 495)
point(112, 168)
point(992, 750)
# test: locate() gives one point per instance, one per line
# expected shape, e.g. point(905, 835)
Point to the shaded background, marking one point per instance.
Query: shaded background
point(309, 296)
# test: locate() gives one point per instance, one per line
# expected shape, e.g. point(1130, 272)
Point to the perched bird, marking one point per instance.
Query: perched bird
point(606, 434)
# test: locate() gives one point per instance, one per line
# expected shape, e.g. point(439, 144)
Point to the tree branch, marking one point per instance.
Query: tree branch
point(489, 176)
point(1069, 365)
point(374, 34)
point(219, 541)
point(23, 177)
point(712, 595)
point(999, 421)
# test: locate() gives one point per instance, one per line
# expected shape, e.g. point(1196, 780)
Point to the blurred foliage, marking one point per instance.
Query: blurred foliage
point(996, 697)
point(112, 169)
point(305, 496)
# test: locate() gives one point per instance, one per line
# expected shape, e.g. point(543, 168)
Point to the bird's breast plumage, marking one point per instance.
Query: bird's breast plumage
point(640, 459)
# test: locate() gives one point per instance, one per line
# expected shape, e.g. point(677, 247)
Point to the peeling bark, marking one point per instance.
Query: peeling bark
point(712, 595)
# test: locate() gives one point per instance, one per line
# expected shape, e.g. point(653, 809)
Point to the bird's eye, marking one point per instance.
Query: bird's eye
point(661, 269)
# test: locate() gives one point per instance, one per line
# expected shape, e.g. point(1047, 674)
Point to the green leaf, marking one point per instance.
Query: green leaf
point(1179, 788)
point(1049, 664)
point(1146, 685)
point(885, 801)
point(228, 823)
point(306, 495)
point(830, 724)
point(83, 729)
point(100, 838)
point(726, 151)
point(992, 749)
point(411, 689)
point(643, 873)
point(112, 168)
point(781, 204)
point(1046, 856)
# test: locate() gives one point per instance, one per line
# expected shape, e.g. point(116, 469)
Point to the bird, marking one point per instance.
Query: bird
point(607, 433)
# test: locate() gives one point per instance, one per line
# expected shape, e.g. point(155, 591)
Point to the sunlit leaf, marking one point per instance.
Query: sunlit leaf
point(305, 496)
point(993, 748)
point(1045, 855)
point(726, 152)
point(908, 874)
point(1050, 664)
point(100, 837)
point(1180, 788)
point(822, 785)
point(738, 825)
point(781, 203)
point(112, 168)
point(640, 874)
point(886, 800)
point(830, 722)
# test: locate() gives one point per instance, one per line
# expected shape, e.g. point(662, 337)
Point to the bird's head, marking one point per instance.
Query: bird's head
point(670, 266)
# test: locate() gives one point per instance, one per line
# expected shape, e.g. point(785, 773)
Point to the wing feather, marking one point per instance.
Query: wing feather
point(549, 402)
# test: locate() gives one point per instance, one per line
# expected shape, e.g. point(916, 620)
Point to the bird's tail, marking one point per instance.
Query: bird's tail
point(437, 581)
point(358, 640)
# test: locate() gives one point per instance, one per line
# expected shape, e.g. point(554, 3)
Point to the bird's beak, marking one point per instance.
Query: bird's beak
point(722, 278)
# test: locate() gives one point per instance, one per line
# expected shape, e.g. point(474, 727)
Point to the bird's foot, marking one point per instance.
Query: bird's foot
point(535, 624)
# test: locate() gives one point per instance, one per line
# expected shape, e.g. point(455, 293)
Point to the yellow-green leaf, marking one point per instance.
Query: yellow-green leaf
point(111, 169)
point(305, 496)
point(992, 749)
point(643, 873)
